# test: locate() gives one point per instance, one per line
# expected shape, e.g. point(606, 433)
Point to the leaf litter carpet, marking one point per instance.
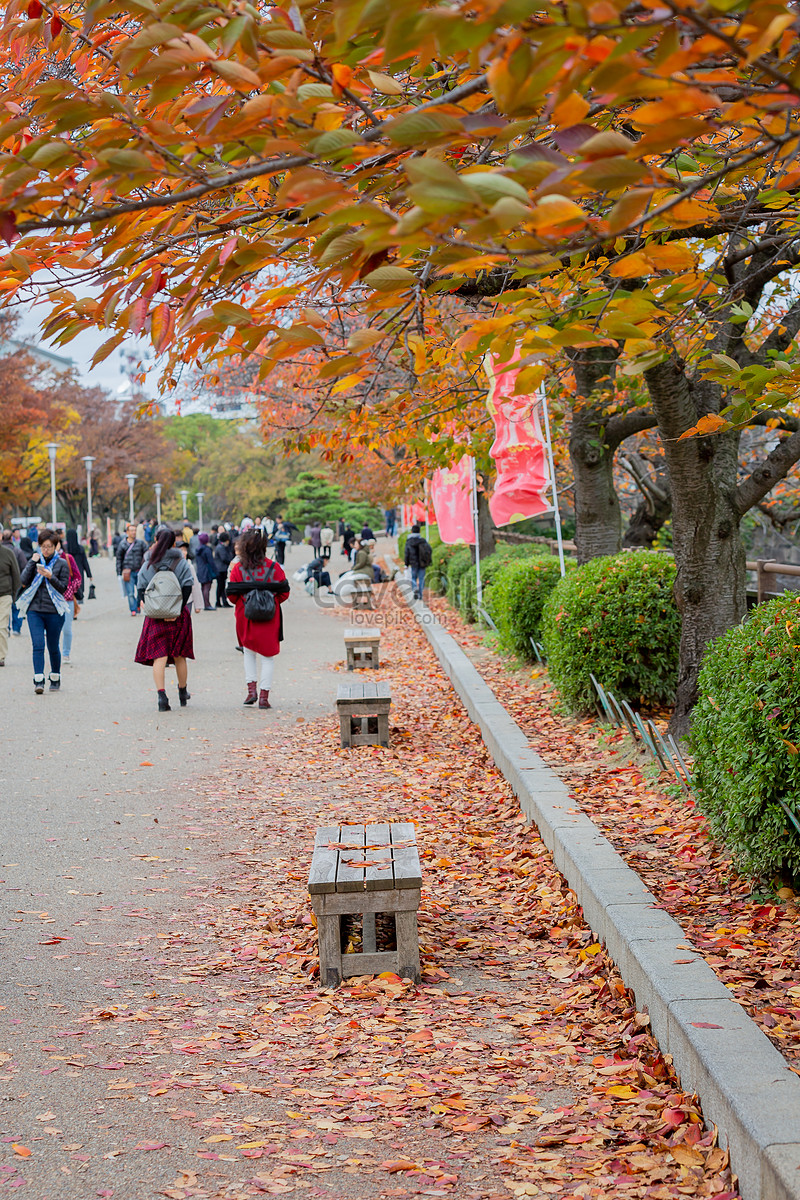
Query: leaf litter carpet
point(748, 939)
point(519, 1067)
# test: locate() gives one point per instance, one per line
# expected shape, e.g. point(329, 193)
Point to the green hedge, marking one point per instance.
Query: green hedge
point(614, 618)
point(458, 565)
point(436, 577)
point(746, 735)
point(490, 567)
point(516, 596)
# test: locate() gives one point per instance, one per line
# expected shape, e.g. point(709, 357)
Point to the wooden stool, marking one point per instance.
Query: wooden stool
point(362, 647)
point(362, 593)
point(366, 869)
point(364, 713)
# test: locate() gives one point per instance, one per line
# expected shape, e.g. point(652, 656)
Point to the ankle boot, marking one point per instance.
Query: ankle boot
point(252, 693)
point(38, 684)
point(55, 682)
point(163, 702)
point(263, 699)
point(183, 696)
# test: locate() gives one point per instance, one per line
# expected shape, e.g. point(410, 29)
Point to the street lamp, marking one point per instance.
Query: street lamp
point(157, 489)
point(131, 480)
point(200, 509)
point(183, 495)
point(87, 462)
point(51, 450)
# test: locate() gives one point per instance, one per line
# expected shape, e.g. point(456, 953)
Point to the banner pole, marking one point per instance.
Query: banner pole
point(556, 512)
point(425, 498)
point(476, 520)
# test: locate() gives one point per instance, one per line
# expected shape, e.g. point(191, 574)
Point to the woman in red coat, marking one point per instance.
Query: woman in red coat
point(254, 572)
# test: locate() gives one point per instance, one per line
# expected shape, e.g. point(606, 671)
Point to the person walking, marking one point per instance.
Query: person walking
point(260, 633)
point(206, 569)
point(22, 562)
point(78, 552)
point(73, 595)
point(223, 557)
point(418, 557)
point(165, 589)
point(325, 541)
point(45, 580)
point(9, 586)
point(130, 556)
point(315, 538)
point(282, 537)
point(348, 538)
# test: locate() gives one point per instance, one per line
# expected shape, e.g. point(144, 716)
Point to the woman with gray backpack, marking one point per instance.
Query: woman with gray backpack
point(258, 586)
point(165, 589)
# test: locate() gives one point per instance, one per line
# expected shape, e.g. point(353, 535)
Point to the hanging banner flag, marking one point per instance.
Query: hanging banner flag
point(451, 493)
point(519, 448)
point(416, 514)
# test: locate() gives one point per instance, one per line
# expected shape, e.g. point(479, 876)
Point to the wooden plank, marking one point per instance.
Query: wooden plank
point(344, 692)
point(365, 707)
point(368, 964)
point(350, 879)
point(370, 691)
point(378, 850)
point(405, 859)
point(384, 691)
point(400, 900)
point(407, 946)
point(362, 635)
point(369, 940)
point(330, 951)
point(322, 876)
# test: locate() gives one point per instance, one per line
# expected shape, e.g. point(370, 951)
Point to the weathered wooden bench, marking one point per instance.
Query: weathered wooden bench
point(362, 647)
point(366, 869)
point(362, 593)
point(363, 710)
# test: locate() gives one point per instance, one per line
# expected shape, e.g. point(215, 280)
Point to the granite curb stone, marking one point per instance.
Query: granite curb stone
point(745, 1085)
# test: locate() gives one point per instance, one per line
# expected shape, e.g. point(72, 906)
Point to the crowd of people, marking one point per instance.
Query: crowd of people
point(163, 574)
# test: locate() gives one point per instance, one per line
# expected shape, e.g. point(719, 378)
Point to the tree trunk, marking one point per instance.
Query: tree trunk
point(486, 538)
point(709, 555)
point(598, 520)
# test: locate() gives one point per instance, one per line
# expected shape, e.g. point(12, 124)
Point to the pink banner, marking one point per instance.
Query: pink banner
point(416, 514)
point(451, 493)
point(519, 448)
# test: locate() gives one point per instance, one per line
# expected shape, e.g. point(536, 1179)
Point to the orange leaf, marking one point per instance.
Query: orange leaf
point(708, 424)
point(22, 1151)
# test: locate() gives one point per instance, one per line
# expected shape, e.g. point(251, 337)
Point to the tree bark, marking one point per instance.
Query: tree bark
point(709, 555)
point(598, 519)
point(487, 542)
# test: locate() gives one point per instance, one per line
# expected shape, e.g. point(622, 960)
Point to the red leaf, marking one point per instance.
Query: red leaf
point(151, 1146)
point(56, 25)
point(34, 9)
point(8, 227)
point(706, 1025)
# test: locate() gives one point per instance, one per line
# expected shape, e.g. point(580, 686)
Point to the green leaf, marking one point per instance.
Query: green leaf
point(390, 279)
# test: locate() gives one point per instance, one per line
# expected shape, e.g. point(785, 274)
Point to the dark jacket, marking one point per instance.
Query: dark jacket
point(204, 563)
point(9, 571)
point(79, 554)
point(414, 552)
point(22, 557)
point(130, 554)
point(223, 557)
point(41, 601)
point(367, 535)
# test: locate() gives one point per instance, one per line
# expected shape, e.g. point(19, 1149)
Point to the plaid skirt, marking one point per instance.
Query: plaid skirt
point(165, 639)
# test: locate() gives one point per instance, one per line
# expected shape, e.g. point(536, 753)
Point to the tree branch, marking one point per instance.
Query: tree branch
point(782, 335)
point(775, 467)
point(620, 428)
point(785, 420)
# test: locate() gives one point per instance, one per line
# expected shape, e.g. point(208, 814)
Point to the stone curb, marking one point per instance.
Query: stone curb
point(745, 1086)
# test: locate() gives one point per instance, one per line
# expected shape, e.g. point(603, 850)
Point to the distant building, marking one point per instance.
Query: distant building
point(9, 345)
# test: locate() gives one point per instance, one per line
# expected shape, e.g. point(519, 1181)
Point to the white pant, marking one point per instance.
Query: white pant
point(5, 617)
point(251, 668)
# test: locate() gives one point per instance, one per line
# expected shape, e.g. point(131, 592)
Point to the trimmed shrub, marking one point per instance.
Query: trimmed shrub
point(436, 577)
point(459, 565)
point(516, 596)
point(503, 555)
point(745, 731)
point(614, 618)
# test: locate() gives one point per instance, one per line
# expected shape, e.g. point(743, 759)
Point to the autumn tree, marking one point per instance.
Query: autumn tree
point(600, 177)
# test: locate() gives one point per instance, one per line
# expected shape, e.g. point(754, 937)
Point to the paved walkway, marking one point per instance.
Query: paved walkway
point(161, 1030)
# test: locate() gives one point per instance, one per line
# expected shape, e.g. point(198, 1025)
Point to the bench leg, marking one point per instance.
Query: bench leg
point(330, 951)
point(368, 938)
point(350, 658)
point(383, 729)
point(407, 946)
point(345, 729)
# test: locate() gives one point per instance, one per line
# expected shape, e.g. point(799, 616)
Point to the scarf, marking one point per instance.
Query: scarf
point(59, 603)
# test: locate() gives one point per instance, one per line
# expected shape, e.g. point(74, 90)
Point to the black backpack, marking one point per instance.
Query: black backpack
point(259, 605)
point(425, 554)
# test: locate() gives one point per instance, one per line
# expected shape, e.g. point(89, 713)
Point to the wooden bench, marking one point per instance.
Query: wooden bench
point(366, 869)
point(364, 713)
point(363, 648)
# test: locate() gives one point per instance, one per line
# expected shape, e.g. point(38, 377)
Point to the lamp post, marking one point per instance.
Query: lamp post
point(131, 480)
point(157, 490)
point(87, 462)
point(51, 450)
point(183, 495)
point(200, 496)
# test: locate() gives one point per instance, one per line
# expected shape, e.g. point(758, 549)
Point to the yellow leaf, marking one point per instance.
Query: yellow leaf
point(571, 110)
point(556, 210)
point(630, 266)
point(687, 1156)
point(385, 84)
point(622, 1092)
point(790, 746)
point(236, 74)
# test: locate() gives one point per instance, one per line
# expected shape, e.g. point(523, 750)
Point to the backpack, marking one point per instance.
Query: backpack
point(163, 596)
point(259, 606)
point(425, 554)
